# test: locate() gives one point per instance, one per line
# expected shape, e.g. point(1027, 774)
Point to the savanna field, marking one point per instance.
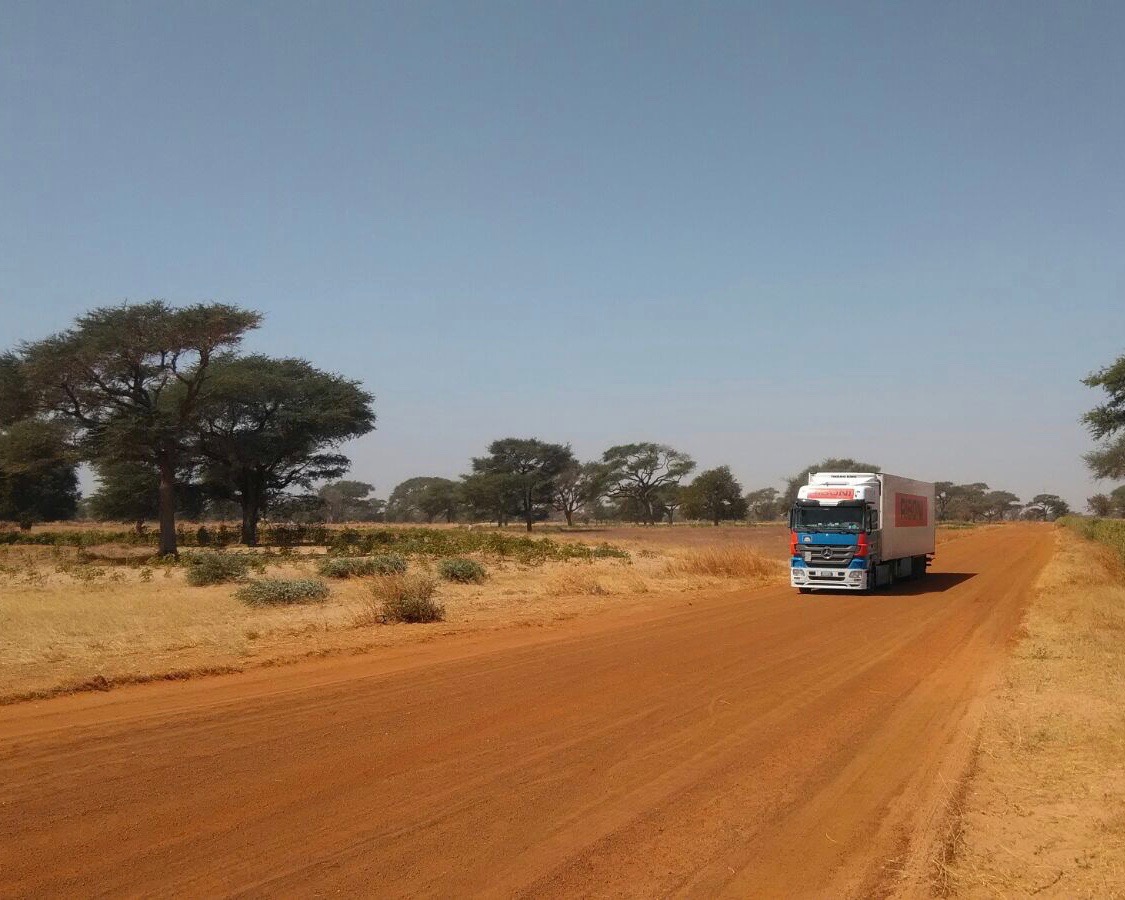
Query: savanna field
point(88, 608)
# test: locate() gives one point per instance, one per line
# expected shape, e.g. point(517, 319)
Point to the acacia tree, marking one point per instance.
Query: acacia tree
point(965, 501)
point(715, 495)
point(763, 504)
point(265, 425)
point(346, 500)
point(999, 505)
point(1099, 505)
point(530, 468)
point(1052, 505)
point(636, 474)
point(129, 378)
point(577, 485)
point(427, 496)
point(1107, 422)
point(440, 498)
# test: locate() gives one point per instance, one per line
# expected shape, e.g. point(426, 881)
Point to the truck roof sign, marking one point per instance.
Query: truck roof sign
point(832, 494)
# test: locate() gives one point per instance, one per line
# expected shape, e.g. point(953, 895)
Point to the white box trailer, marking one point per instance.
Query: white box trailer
point(854, 531)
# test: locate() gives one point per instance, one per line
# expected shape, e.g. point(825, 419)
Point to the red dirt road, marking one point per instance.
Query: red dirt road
point(758, 744)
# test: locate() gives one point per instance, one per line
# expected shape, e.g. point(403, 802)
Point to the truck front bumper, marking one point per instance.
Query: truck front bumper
point(828, 579)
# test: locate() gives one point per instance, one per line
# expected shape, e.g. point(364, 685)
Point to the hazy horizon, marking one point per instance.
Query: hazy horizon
point(763, 236)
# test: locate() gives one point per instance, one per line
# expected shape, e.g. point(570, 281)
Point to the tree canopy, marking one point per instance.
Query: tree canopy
point(530, 469)
point(38, 480)
point(1106, 422)
point(639, 473)
point(265, 425)
point(128, 379)
point(715, 495)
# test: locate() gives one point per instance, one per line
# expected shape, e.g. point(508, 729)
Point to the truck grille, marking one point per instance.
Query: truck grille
point(831, 555)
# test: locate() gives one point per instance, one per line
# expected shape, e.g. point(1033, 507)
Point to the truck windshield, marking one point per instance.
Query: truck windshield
point(828, 518)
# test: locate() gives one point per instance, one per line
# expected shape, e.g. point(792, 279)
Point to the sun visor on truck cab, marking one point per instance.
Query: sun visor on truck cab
point(834, 504)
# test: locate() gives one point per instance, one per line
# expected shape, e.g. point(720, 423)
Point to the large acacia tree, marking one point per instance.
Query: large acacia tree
point(638, 475)
point(265, 425)
point(129, 379)
point(529, 468)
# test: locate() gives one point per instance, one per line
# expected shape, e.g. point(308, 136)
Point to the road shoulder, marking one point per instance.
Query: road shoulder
point(1042, 811)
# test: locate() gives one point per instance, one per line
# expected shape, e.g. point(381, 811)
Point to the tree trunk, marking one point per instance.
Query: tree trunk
point(167, 505)
point(251, 512)
point(569, 513)
point(528, 520)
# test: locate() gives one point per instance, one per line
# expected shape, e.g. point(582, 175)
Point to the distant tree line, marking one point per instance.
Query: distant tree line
point(526, 480)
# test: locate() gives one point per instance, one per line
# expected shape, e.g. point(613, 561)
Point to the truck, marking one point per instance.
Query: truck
point(857, 531)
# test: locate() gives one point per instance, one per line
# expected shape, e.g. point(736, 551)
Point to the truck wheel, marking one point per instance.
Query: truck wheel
point(918, 566)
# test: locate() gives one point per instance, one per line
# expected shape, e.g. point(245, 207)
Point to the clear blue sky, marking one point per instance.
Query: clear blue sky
point(763, 233)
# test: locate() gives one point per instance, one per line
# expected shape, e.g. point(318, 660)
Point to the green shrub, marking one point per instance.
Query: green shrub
point(461, 570)
point(405, 598)
point(1110, 532)
point(218, 568)
point(282, 591)
point(350, 567)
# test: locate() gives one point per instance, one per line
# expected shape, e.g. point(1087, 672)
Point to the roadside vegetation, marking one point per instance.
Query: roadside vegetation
point(1044, 810)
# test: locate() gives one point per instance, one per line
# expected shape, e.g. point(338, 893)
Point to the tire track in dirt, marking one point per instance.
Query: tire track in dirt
point(757, 744)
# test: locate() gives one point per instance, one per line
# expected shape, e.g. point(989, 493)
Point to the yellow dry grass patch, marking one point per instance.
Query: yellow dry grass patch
point(1044, 812)
point(725, 562)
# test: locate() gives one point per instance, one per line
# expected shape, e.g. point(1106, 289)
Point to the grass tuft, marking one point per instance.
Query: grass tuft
point(404, 598)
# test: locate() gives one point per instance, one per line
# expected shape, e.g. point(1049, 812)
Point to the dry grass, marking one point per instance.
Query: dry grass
point(725, 562)
point(574, 581)
point(1044, 812)
point(70, 623)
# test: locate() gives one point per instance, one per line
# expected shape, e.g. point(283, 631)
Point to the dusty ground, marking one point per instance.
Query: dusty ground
point(1044, 812)
point(746, 743)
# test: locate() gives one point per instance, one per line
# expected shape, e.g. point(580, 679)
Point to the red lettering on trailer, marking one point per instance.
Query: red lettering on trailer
point(911, 511)
point(832, 494)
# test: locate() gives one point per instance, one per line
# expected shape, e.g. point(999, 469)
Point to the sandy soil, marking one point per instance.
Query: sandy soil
point(759, 743)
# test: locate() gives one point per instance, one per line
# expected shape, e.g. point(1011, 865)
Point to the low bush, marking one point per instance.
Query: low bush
point(282, 591)
point(405, 598)
point(219, 568)
point(461, 570)
point(351, 567)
